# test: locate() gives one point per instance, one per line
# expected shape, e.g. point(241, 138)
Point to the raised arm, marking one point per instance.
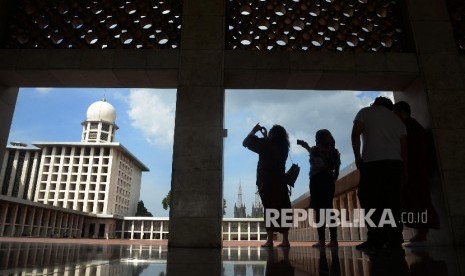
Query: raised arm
point(304, 144)
point(252, 142)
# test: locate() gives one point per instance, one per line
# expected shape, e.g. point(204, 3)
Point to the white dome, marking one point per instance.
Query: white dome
point(101, 111)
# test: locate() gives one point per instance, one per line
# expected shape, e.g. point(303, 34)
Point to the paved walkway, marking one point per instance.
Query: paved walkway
point(145, 242)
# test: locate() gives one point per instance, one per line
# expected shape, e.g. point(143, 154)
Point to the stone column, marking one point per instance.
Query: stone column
point(22, 219)
point(442, 75)
point(3, 213)
point(122, 229)
point(13, 220)
point(197, 174)
point(350, 214)
point(39, 223)
point(8, 98)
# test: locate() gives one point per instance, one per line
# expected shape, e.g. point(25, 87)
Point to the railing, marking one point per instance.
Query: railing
point(345, 198)
point(156, 228)
point(243, 229)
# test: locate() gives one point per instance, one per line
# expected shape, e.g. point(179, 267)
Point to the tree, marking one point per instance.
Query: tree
point(166, 202)
point(142, 211)
point(224, 206)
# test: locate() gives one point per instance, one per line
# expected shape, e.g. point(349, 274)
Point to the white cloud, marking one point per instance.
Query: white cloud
point(152, 112)
point(43, 90)
point(302, 113)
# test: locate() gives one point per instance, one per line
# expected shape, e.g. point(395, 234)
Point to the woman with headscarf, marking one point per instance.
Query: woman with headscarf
point(324, 170)
point(272, 152)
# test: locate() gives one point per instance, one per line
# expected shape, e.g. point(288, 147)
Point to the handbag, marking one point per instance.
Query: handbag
point(292, 174)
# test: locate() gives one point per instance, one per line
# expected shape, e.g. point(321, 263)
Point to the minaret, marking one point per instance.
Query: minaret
point(99, 126)
point(239, 196)
point(257, 207)
point(239, 207)
point(258, 202)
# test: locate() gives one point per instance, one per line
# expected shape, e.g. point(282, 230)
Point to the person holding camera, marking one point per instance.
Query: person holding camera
point(272, 150)
point(325, 162)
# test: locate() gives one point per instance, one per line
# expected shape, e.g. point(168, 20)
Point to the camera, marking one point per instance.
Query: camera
point(300, 142)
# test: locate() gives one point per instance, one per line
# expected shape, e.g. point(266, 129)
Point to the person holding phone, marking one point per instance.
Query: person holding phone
point(272, 150)
point(325, 162)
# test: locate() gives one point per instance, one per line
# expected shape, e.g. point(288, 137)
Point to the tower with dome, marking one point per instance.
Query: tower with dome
point(99, 126)
point(97, 175)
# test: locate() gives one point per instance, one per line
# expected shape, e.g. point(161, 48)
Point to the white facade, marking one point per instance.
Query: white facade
point(98, 178)
point(96, 175)
point(18, 173)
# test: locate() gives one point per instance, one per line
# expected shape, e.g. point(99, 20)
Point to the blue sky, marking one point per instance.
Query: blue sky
point(146, 123)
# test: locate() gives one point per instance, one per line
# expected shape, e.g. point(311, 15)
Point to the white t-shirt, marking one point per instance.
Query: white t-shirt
point(381, 134)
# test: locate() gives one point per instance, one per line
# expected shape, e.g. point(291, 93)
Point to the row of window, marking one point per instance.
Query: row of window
point(76, 151)
point(71, 195)
point(76, 161)
point(79, 205)
point(74, 178)
point(75, 169)
point(72, 187)
point(119, 209)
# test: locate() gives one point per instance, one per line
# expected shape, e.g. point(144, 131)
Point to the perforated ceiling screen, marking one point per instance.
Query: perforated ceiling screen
point(316, 25)
point(98, 24)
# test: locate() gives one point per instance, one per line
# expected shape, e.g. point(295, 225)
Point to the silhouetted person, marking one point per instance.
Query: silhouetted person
point(416, 196)
point(329, 268)
point(423, 265)
point(389, 263)
point(272, 151)
point(381, 163)
point(279, 266)
point(325, 162)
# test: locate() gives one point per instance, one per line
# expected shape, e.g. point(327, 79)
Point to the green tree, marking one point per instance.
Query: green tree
point(224, 206)
point(142, 211)
point(166, 202)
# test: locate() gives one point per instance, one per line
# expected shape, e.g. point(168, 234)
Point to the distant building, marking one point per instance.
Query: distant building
point(19, 171)
point(239, 207)
point(97, 175)
point(257, 207)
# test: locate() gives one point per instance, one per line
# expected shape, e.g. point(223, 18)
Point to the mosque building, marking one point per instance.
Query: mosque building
point(97, 175)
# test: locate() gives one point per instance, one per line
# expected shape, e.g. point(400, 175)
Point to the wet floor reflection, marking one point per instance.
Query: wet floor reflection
point(80, 259)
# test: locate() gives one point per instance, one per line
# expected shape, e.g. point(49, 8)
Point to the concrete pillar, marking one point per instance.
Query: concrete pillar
point(248, 230)
point(3, 214)
point(350, 214)
point(258, 231)
point(442, 79)
point(239, 231)
point(8, 98)
point(13, 220)
point(22, 219)
point(48, 222)
point(197, 175)
point(54, 216)
point(39, 223)
point(122, 229)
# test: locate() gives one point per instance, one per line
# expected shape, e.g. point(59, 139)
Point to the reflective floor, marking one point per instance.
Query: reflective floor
point(79, 259)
